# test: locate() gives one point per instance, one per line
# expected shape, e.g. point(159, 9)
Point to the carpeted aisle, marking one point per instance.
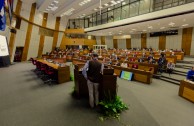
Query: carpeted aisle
point(26, 101)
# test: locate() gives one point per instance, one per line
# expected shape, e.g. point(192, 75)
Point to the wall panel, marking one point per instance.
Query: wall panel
point(136, 41)
point(25, 11)
point(152, 42)
point(47, 47)
point(121, 43)
point(192, 44)
point(109, 41)
point(174, 41)
point(98, 40)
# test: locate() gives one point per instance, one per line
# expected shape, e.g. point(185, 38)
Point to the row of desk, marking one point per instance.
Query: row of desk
point(144, 76)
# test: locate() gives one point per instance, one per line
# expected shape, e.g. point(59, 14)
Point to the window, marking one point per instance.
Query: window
point(134, 9)
point(125, 12)
point(117, 14)
point(144, 6)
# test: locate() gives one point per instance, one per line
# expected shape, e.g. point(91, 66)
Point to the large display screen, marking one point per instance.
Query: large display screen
point(3, 46)
point(126, 75)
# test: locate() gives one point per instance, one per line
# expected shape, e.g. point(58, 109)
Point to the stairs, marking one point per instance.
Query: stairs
point(179, 73)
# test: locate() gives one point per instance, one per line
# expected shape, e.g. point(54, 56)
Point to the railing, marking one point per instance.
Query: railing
point(123, 10)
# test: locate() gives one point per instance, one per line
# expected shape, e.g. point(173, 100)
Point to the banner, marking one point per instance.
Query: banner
point(10, 7)
point(2, 16)
point(3, 46)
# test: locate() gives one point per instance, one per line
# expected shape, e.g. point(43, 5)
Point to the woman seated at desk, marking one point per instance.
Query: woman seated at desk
point(117, 63)
point(190, 74)
point(125, 65)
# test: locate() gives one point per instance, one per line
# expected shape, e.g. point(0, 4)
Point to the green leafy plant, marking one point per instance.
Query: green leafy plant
point(71, 77)
point(111, 108)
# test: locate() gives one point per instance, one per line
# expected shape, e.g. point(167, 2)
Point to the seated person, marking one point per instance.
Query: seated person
point(132, 60)
point(135, 66)
point(170, 67)
point(125, 65)
point(151, 61)
point(150, 57)
point(141, 60)
point(117, 63)
point(190, 74)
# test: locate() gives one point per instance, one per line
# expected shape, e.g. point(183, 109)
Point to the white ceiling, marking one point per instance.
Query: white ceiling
point(87, 9)
point(65, 5)
point(156, 26)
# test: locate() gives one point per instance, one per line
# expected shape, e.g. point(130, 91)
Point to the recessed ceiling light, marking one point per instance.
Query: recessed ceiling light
point(184, 25)
point(123, 3)
point(171, 23)
point(133, 29)
point(106, 4)
point(95, 9)
point(150, 27)
point(144, 30)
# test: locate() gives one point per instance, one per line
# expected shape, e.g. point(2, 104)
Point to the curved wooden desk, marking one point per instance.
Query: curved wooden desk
point(63, 73)
point(186, 90)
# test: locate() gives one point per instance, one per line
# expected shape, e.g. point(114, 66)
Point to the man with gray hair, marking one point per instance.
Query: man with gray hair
point(92, 72)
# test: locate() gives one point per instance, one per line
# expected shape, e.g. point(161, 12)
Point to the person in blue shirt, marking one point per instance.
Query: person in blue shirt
point(190, 74)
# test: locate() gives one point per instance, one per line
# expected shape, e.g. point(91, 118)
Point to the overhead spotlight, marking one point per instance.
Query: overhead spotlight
point(184, 25)
point(106, 4)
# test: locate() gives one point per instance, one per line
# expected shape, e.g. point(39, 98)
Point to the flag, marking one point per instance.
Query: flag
point(10, 7)
point(2, 16)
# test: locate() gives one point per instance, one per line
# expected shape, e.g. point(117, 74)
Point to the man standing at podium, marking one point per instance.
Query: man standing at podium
point(92, 73)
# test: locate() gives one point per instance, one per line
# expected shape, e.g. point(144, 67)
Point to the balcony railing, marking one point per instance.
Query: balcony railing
point(123, 10)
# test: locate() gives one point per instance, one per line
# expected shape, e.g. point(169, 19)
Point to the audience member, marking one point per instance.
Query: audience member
point(170, 67)
point(190, 74)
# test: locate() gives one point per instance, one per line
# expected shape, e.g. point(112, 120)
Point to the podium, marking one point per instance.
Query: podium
point(107, 87)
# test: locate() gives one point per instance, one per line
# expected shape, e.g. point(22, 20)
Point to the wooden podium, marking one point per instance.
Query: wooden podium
point(107, 87)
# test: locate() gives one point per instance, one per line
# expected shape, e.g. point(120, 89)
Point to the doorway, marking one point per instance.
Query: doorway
point(18, 54)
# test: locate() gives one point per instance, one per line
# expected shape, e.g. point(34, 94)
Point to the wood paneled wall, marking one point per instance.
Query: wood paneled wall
point(115, 43)
point(186, 40)
point(143, 40)
point(102, 40)
point(28, 33)
point(13, 35)
point(128, 43)
point(42, 37)
point(56, 33)
point(162, 42)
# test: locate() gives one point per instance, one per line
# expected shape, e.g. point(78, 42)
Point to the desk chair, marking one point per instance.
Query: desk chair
point(50, 74)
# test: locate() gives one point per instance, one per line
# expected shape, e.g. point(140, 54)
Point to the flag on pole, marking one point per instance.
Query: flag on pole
point(10, 7)
point(2, 16)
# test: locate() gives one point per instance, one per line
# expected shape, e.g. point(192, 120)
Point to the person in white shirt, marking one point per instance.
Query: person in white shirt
point(170, 67)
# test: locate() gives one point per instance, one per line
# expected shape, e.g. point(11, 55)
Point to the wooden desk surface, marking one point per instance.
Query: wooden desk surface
point(186, 90)
point(55, 66)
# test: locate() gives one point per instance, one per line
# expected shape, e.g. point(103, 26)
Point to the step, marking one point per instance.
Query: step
point(183, 72)
point(170, 78)
point(170, 81)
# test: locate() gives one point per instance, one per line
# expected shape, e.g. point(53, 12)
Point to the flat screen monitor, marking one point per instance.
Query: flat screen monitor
point(126, 75)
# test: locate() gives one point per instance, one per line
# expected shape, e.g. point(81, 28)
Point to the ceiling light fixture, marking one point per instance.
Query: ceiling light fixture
point(184, 25)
